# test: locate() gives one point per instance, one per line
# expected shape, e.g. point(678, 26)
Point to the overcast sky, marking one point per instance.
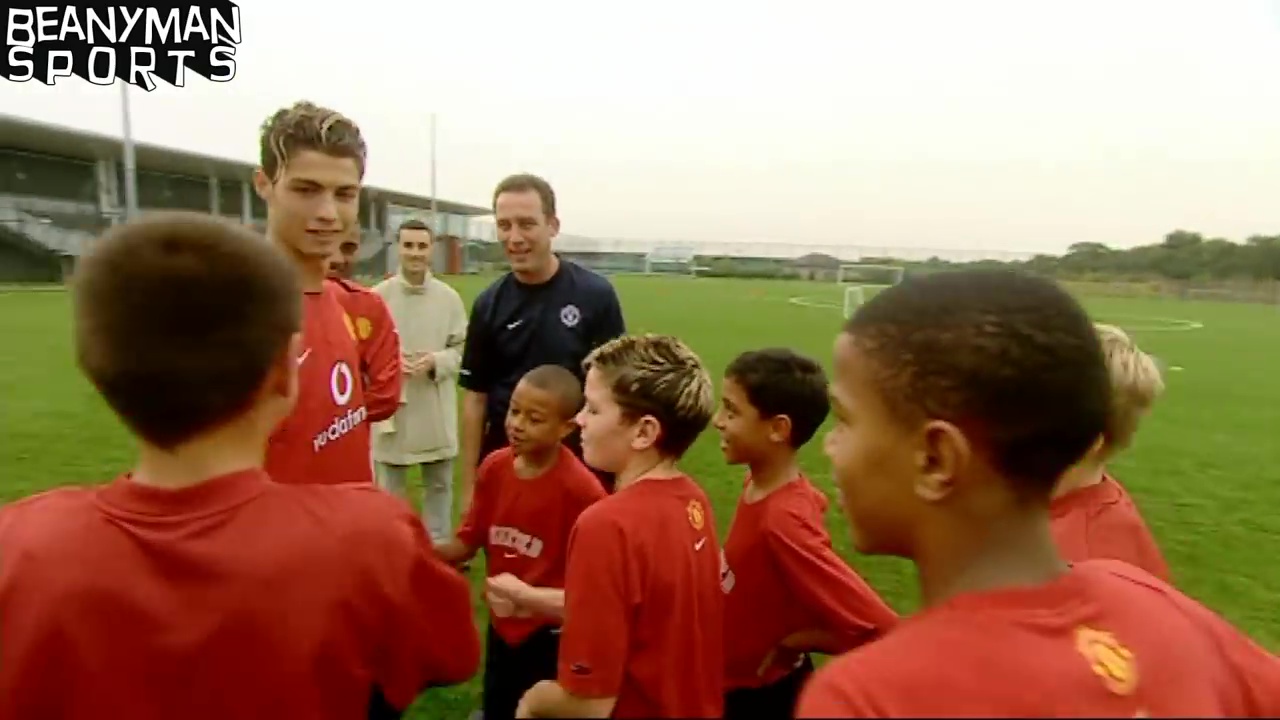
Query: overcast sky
point(996, 124)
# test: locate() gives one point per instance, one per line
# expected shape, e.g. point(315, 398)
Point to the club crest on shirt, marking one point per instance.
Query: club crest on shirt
point(697, 517)
point(1109, 659)
point(570, 315)
point(364, 328)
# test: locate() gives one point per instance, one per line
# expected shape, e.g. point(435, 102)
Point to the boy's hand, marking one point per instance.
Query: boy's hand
point(509, 590)
point(786, 654)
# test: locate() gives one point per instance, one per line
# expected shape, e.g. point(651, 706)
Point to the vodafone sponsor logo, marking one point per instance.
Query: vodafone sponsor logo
point(342, 385)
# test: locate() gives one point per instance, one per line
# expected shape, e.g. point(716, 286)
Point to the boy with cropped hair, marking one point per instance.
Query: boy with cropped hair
point(195, 586)
point(1093, 515)
point(527, 498)
point(787, 591)
point(960, 399)
point(643, 629)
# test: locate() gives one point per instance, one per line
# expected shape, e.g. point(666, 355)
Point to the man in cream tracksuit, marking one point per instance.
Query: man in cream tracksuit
point(424, 432)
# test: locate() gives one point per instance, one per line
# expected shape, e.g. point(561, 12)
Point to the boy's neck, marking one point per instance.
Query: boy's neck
point(536, 462)
point(311, 271)
point(645, 466)
point(214, 454)
point(769, 474)
point(1017, 552)
point(1082, 475)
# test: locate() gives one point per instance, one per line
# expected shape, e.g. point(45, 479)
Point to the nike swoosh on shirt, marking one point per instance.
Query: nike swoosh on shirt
point(302, 358)
point(514, 325)
point(698, 545)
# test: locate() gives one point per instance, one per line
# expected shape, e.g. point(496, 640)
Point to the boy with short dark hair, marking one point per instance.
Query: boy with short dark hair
point(527, 498)
point(787, 591)
point(195, 586)
point(961, 398)
point(644, 614)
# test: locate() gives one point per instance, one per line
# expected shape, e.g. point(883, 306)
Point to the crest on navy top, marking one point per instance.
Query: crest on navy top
point(570, 315)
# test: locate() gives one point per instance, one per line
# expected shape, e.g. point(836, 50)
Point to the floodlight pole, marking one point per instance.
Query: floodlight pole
point(435, 214)
point(130, 162)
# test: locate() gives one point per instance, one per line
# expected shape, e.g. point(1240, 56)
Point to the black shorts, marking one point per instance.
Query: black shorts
point(497, 440)
point(510, 671)
point(775, 700)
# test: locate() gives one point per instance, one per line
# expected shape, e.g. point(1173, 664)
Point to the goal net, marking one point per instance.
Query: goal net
point(671, 260)
point(858, 280)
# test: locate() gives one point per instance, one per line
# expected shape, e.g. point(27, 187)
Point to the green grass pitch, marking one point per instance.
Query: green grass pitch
point(1205, 469)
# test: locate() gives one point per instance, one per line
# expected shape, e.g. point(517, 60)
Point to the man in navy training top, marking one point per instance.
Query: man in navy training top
point(545, 311)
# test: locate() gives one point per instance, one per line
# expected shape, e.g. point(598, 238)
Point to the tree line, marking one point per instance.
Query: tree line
point(1182, 256)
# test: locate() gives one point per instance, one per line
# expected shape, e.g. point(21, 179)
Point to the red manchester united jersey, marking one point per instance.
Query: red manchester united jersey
point(326, 438)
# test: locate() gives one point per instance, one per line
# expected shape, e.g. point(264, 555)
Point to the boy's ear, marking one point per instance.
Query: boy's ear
point(780, 429)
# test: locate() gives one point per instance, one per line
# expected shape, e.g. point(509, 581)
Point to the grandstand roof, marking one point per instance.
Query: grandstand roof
point(59, 140)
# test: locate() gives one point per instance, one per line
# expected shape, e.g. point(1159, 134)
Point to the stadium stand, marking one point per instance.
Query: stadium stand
point(61, 187)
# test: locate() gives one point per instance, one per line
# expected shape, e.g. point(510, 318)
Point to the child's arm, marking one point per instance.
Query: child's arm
point(844, 610)
point(525, 598)
point(596, 632)
point(455, 552)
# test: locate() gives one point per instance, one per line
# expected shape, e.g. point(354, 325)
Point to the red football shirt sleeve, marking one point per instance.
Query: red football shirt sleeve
point(1120, 534)
point(474, 529)
point(833, 596)
point(380, 356)
point(1256, 672)
point(428, 634)
point(598, 606)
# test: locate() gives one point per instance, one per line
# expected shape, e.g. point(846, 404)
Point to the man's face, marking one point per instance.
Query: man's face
point(415, 250)
point(873, 456)
point(343, 260)
point(313, 204)
point(525, 230)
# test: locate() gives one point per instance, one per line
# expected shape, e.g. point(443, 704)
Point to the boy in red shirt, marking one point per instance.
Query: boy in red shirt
point(193, 586)
point(313, 162)
point(1093, 515)
point(374, 329)
point(642, 606)
point(527, 498)
point(787, 592)
point(960, 399)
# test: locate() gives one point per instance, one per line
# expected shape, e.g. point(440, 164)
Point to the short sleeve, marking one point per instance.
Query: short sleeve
point(598, 607)
point(474, 529)
point(609, 323)
point(428, 634)
point(831, 594)
point(478, 372)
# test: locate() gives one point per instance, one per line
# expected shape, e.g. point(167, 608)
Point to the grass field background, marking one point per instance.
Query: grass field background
point(1205, 469)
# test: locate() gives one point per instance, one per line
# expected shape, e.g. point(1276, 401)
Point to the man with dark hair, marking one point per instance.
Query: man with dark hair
point(545, 311)
point(960, 399)
point(424, 432)
point(312, 166)
point(375, 332)
point(194, 586)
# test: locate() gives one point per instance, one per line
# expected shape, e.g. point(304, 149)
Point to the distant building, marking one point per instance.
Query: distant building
point(61, 187)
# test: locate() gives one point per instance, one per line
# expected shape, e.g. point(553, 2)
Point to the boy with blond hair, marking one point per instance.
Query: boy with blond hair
point(642, 606)
point(1093, 515)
